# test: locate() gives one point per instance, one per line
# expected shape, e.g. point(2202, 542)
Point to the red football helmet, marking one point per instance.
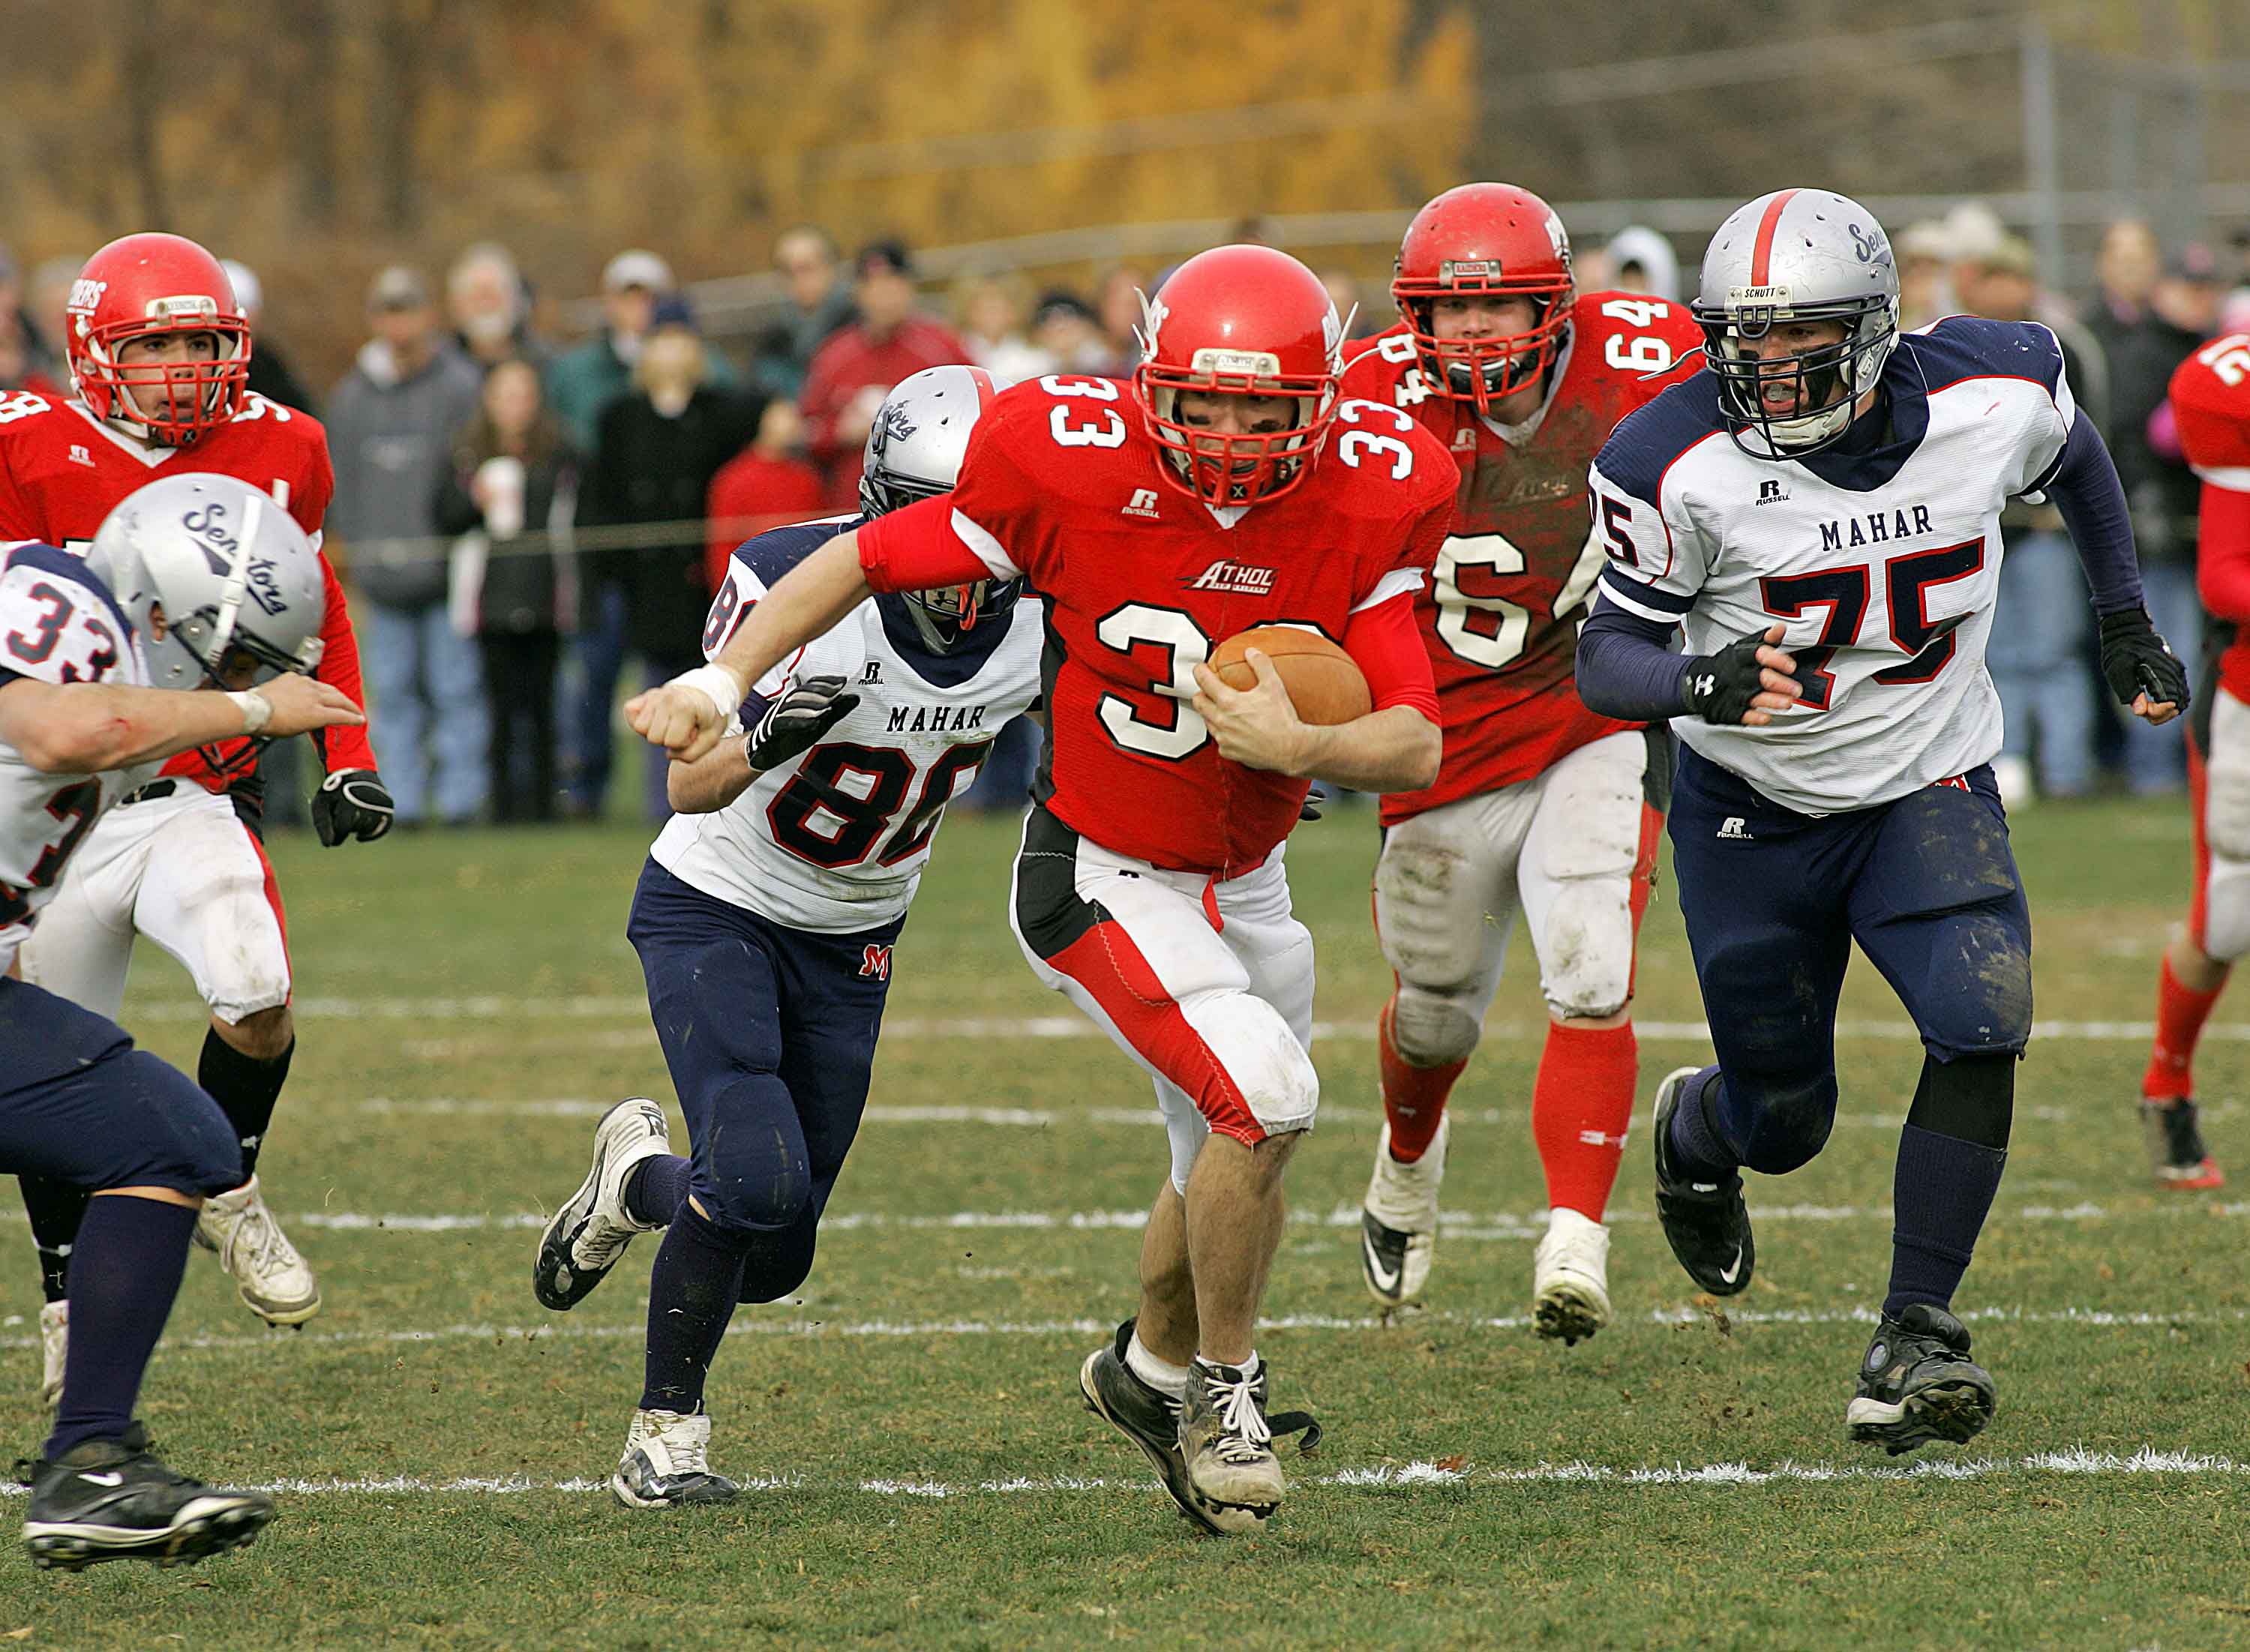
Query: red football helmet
point(1485, 237)
point(155, 284)
point(1240, 321)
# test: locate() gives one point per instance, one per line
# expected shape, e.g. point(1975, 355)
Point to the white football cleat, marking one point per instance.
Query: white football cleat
point(1399, 1228)
point(275, 1282)
point(592, 1229)
point(54, 1348)
point(665, 1464)
point(1570, 1278)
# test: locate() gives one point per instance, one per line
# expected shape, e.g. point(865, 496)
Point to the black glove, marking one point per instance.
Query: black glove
point(1719, 688)
point(2136, 661)
point(794, 720)
point(352, 803)
point(1310, 809)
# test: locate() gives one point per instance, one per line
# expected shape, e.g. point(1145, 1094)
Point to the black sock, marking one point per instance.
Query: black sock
point(124, 1273)
point(55, 1210)
point(1951, 1154)
point(657, 1187)
point(246, 1088)
point(691, 1297)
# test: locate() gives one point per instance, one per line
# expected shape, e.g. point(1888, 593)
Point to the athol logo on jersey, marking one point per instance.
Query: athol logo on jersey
point(1227, 576)
point(1875, 527)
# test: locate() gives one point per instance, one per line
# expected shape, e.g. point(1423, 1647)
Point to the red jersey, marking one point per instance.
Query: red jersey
point(1500, 615)
point(850, 364)
point(62, 470)
point(1061, 483)
point(2210, 405)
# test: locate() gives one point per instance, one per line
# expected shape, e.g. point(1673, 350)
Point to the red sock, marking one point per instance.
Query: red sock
point(1413, 1098)
point(1580, 1110)
point(2180, 1015)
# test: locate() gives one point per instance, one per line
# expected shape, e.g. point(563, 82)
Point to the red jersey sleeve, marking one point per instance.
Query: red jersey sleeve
point(342, 747)
point(1385, 641)
point(17, 518)
point(990, 527)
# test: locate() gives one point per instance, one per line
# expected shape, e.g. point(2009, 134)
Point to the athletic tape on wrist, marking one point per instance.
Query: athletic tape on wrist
point(257, 710)
point(717, 683)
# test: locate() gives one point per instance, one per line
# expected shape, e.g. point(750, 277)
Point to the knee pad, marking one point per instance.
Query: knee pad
point(2227, 778)
point(1781, 1127)
point(185, 1141)
point(776, 1264)
point(752, 1175)
point(1432, 1030)
point(1261, 1061)
point(2225, 909)
point(1981, 1003)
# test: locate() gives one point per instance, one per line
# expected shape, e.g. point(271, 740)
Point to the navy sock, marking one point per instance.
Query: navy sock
point(246, 1088)
point(124, 1273)
point(657, 1188)
point(691, 1297)
point(1943, 1190)
point(56, 1208)
point(1700, 1152)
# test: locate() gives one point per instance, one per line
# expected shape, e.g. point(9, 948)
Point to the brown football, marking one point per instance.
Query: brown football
point(1324, 685)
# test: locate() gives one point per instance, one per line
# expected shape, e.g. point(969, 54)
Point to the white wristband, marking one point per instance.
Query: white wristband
point(257, 710)
point(717, 684)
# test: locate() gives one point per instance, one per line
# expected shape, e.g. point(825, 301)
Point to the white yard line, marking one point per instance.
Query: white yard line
point(2148, 1461)
point(489, 1007)
point(802, 1328)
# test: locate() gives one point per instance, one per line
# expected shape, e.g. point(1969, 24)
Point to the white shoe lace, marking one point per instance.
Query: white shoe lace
point(686, 1446)
point(1244, 1436)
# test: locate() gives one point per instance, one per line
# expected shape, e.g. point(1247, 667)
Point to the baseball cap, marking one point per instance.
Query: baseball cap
point(637, 267)
point(887, 255)
point(398, 287)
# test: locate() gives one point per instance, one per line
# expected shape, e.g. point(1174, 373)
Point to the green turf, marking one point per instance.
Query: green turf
point(492, 968)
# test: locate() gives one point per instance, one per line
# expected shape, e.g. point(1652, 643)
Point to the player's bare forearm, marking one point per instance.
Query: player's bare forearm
point(711, 782)
point(90, 728)
point(1396, 749)
point(687, 720)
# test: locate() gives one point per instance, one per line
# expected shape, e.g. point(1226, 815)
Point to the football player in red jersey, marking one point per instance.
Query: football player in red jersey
point(2211, 403)
point(160, 356)
point(1231, 487)
point(1541, 804)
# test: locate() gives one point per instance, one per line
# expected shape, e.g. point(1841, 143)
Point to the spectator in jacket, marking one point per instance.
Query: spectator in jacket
point(583, 381)
point(856, 368)
point(2143, 345)
point(819, 302)
point(991, 312)
point(390, 425)
point(654, 456)
point(768, 484)
point(513, 480)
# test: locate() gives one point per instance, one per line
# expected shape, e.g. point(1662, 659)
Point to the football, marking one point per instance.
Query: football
point(1324, 685)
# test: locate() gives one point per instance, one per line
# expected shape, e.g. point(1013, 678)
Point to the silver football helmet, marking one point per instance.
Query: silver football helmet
point(1794, 255)
point(238, 582)
point(914, 452)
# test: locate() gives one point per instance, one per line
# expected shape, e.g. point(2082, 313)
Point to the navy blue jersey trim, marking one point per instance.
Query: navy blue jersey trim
point(1969, 346)
point(772, 554)
point(63, 565)
point(1666, 602)
point(1649, 438)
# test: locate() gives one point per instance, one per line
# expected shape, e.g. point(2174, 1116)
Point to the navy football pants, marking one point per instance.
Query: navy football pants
point(79, 1103)
point(770, 1034)
point(1773, 901)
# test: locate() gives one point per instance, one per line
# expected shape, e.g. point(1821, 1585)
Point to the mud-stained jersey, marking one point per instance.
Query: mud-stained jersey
point(58, 623)
point(1517, 571)
point(835, 841)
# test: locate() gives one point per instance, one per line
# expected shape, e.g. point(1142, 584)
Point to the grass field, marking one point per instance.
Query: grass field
point(921, 1472)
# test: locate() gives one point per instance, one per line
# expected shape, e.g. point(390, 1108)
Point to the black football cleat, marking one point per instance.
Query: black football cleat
point(1706, 1223)
point(591, 1232)
point(1148, 1418)
point(113, 1500)
point(2175, 1149)
point(1918, 1384)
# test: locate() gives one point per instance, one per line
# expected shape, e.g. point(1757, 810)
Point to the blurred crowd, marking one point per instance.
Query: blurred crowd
point(528, 526)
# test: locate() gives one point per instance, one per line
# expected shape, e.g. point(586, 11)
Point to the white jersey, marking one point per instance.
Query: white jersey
point(1883, 565)
point(58, 623)
point(834, 841)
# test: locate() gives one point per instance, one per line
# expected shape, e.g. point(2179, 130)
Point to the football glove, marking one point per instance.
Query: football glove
point(794, 719)
point(1719, 688)
point(1310, 809)
point(2137, 661)
point(352, 803)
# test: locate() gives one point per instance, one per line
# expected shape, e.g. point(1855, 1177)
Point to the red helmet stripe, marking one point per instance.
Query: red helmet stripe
point(1762, 250)
point(986, 389)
